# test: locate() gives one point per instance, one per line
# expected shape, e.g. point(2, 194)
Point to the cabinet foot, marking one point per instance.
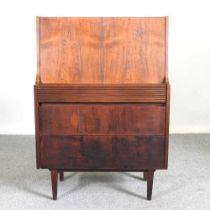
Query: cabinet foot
point(149, 175)
point(61, 173)
point(145, 175)
point(54, 182)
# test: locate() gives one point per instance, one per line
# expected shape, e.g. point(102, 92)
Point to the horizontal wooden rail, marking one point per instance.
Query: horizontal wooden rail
point(147, 93)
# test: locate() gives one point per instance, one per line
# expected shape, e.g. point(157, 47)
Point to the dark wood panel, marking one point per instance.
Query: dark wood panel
point(102, 152)
point(94, 119)
point(102, 95)
point(147, 93)
point(101, 50)
point(167, 121)
point(36, 118)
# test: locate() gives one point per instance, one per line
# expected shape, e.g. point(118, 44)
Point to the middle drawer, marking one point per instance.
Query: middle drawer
point(82, 119)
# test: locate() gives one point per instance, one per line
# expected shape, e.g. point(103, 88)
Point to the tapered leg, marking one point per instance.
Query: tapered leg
point(149, 178)
point(54, 180)
point(61, 175)
point(145, 175)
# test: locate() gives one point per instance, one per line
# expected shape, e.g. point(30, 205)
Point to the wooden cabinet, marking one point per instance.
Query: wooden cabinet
point(102, 95)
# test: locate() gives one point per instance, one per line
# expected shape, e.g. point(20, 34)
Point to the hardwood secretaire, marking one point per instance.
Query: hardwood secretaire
point(102, 95)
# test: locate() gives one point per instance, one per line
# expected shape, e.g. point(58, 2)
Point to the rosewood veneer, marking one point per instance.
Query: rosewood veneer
point(102, 95)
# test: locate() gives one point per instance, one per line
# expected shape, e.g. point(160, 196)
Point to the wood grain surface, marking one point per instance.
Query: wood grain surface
point(101, 50)
point(102, 152)
point(103, 119)
point(144, 93)
point(102, 95)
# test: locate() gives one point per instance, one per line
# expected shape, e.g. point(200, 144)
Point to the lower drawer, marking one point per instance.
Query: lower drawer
point(102, 152)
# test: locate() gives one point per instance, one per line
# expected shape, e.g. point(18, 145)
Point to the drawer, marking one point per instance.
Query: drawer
point(102, 152)
point(103, 119)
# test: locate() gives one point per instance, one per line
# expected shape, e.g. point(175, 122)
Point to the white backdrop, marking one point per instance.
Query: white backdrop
point(189, 55)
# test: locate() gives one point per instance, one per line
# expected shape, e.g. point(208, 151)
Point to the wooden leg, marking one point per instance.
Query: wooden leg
point(54, 180)
point(145, 175)
point(61, 175)
point(149, 177)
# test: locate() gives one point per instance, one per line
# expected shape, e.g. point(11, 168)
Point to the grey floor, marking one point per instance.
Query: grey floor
point(185, 185)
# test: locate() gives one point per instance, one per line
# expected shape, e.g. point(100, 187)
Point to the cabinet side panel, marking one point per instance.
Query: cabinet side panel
point(167, 114)
point(36, 117)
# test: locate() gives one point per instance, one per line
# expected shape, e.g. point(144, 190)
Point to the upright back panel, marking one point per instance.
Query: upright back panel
point(102, 50)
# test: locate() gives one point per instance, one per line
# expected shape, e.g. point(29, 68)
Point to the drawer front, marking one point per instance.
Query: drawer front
point(102, 152)
point(103, 119)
